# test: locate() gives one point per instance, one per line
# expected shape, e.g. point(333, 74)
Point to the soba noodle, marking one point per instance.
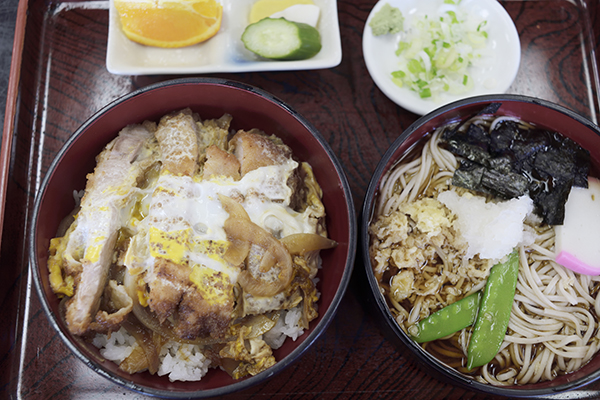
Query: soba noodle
point(553, 326)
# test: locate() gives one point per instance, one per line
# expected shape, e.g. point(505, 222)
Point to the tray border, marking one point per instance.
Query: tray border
point(10, 113)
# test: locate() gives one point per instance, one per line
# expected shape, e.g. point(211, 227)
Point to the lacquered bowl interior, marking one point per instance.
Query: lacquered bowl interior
point(210, 98)
point(542, 114)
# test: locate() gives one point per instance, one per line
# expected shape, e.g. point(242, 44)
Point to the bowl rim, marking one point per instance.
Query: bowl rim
point(297, 352)
point(366, 216)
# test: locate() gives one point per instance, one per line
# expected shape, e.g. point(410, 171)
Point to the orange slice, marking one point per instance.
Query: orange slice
point(169, 23)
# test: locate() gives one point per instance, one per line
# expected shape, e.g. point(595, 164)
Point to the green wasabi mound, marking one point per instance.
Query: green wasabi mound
point(387, 20)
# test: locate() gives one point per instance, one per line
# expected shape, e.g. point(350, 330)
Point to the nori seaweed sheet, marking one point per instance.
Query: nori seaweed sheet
point(513, 160)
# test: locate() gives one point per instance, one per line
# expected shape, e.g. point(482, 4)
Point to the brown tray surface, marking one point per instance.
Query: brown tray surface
point(63, 81)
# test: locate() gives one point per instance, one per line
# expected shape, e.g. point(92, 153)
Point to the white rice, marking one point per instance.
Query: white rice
point(182, 362)
point(287, 326)
point(117, 347)
point(186, 362)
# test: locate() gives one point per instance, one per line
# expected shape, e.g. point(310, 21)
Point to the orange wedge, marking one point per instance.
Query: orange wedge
point(169, 23)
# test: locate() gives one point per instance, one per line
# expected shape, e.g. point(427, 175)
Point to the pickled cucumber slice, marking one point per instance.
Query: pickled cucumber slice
point(280, 39)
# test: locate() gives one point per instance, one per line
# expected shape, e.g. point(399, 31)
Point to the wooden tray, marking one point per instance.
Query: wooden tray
point(59, 79)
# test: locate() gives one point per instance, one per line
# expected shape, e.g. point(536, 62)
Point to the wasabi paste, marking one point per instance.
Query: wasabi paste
point(387, 20)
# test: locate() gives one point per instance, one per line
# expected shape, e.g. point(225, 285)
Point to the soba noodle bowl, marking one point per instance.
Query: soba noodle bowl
point(553, 327)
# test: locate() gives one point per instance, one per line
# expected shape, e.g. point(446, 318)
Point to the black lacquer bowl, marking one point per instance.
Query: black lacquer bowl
point(211, 98)
point(539, 112)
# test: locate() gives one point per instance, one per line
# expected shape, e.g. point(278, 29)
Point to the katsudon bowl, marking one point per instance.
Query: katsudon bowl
point(446, 361)
point(210, 98)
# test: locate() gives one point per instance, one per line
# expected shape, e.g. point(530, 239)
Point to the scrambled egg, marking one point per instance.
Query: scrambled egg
point(185, 219)
point(215, 287)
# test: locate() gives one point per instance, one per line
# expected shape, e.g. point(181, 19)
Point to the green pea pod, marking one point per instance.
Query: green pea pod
point(494, 312)
point(446, 321)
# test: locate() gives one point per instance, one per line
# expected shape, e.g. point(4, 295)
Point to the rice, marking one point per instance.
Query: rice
point(182, 362)
point(187, 362)
point(287, 326)
point(117, 346)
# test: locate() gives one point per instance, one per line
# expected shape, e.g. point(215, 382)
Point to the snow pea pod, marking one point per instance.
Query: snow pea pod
point(494, 312)
point(446, 321)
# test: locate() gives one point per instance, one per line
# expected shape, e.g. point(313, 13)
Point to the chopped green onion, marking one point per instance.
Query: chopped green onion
point(397, 77)
point(430, 51)
point(435, 56)
point(415, 67)
point(452, 15)
point(401, 47)
point(421, 83)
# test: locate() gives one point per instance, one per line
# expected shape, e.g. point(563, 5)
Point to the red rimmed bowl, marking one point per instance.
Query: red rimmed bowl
point(543, 114)
point(210, 98)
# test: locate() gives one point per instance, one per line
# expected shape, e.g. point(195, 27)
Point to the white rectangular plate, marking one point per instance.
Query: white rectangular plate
point(224, 52)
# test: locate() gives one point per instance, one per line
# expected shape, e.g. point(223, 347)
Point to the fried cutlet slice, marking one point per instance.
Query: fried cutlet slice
point(167, 287)
point(254, 150)
point(108, 191)
point(177, 137)
point(172, 294)
point(221, 163)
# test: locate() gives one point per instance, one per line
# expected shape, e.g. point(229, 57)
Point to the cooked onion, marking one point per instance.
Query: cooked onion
point(301, 243)
point(240, 228)
point(149, 342)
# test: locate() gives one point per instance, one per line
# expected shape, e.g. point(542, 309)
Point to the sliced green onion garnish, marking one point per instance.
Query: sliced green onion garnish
point(452, 15)
point(435, 55)
point(415, 66)
point(401, 47)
